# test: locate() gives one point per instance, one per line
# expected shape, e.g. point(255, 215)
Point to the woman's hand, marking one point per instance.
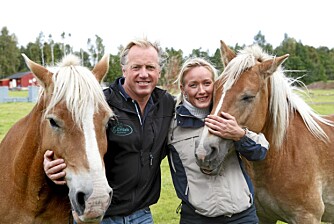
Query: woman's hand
point(54, 169)
point(225, 126)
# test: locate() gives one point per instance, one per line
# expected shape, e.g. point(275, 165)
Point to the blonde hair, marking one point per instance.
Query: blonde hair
point(187, 66)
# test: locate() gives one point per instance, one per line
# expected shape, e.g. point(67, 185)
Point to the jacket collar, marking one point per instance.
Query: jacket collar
point(186, 120)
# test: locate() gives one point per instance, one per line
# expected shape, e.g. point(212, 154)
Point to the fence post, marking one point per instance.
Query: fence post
point(33, 93)
point(3, 93)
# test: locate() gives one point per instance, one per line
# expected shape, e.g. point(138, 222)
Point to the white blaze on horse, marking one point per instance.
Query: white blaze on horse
point(69, 118)
point(295, 183)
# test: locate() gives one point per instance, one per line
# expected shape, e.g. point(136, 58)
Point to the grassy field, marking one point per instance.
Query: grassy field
point(164, 212)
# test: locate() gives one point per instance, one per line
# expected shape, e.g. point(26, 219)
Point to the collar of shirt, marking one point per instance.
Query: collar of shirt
point(128, 98)
point(186, 120)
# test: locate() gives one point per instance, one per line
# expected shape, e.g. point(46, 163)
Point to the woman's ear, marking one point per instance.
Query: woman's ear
point(182, 88)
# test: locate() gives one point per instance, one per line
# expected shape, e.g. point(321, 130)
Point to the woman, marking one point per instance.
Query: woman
point(223, 198)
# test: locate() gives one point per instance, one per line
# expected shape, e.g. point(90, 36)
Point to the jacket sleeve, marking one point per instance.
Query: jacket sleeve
point(252, 146)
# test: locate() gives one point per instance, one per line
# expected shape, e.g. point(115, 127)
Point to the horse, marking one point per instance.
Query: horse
point(69, 118)
point(295, 182)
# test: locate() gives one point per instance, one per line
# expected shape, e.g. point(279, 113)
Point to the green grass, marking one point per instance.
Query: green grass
point(322, 101)
point(21, 93)
point(320, 96)
point(164, 212)
point(11, 113)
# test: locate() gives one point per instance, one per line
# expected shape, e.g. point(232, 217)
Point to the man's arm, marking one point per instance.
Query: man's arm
point(54, 169)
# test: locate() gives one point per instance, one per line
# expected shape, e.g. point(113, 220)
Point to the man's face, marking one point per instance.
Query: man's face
point(141, 72)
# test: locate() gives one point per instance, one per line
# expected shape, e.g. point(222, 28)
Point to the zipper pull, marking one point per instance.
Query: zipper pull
point(151, 159)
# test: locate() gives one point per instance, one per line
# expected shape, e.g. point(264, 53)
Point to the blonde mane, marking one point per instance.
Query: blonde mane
point(284, 99)
point(78, 87)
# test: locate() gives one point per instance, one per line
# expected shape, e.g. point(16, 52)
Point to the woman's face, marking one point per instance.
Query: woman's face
point(197, 87)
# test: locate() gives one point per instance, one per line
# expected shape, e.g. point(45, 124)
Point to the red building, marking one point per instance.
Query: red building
point(19, 80)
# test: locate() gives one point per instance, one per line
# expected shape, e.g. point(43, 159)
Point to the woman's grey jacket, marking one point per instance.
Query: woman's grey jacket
point(226, 194)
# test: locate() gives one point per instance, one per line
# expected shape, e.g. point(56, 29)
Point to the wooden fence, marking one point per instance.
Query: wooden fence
point(32, 95)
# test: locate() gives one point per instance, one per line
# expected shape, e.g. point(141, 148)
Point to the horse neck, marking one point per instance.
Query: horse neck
point(278, 154)
point(27, 157)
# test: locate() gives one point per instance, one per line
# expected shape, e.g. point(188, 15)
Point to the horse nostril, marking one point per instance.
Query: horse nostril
point(214, 152)
point(81, 198)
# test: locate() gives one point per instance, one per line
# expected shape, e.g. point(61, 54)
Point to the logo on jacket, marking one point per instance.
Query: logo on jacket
point(122, 129)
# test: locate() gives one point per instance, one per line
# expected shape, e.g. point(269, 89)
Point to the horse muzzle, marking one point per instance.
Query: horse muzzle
point(91, 209)
point(210, 156)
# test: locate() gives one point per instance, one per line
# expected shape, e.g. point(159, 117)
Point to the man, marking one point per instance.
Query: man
point(136, 139)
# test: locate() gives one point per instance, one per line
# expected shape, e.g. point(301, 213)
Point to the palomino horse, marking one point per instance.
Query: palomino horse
point(295, 182)
point(69, 118)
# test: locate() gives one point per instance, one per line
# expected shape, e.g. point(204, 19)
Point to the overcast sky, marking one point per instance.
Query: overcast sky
point(181, 24)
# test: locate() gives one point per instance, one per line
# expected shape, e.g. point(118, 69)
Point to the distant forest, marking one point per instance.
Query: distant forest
point(309, 63)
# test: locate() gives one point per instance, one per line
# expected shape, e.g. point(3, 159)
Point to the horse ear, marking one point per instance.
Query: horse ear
point(226, 53)
point(101, 68)
point(44, 76)
point(269, 67)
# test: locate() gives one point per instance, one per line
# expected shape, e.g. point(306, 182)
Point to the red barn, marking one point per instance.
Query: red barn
point(4, 82)
point(19, 80)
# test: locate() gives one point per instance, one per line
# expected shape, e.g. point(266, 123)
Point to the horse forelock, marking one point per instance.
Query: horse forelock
point(78, 88)
point(280, 107)
point(246, 58)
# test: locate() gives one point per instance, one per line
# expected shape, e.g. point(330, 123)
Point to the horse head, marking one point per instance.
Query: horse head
point(73, 125)
point(243, 91)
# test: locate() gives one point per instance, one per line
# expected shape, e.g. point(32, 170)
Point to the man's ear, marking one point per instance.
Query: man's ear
point(123, 72)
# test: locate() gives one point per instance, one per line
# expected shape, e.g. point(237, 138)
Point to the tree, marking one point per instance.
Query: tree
point(216, 60)
point(10, 54)
point(100, 48)
point(309, 63)
point(171, 69)
point(51, 43)
point(261, 41)
point(115, 69)
point(199, 53)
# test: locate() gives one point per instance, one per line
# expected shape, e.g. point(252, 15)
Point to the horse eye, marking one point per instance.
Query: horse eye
point(247, 98)
point(53, 123)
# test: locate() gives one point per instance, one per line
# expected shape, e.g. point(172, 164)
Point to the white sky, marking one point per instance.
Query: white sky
point(181, 24)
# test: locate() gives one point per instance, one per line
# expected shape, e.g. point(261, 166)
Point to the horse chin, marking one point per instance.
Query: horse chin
point(81, 219)
point(213, 171)
point(211, 162)
point(92, 212)
point(88, 205)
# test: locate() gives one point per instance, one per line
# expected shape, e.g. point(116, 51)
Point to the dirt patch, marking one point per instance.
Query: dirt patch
point(321, 85)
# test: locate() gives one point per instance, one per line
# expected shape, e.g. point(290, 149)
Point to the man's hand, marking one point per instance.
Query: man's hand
point(224, 127)
point(54, 169)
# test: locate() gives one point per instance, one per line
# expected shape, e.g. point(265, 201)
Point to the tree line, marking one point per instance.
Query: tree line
point(307, 63)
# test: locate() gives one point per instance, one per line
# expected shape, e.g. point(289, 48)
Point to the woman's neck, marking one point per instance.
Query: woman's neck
point(200, 113)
